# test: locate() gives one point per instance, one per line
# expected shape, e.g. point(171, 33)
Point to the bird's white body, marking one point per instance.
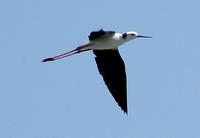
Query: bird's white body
point(110, 41)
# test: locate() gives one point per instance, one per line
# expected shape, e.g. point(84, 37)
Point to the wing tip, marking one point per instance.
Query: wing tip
point(125, 110)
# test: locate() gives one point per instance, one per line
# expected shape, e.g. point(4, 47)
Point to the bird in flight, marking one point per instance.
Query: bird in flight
point(104, 45)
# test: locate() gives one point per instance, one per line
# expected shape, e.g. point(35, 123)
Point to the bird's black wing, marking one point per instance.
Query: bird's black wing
point(112, 68)
point(97, 34)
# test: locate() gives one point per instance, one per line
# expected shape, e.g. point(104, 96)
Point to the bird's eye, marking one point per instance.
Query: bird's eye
point(124, 35)
point(132, 34)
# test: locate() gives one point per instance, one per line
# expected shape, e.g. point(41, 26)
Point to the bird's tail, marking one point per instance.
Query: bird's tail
point(85, 47)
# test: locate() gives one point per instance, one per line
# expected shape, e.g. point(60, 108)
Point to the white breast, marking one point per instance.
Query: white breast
point(110, 42)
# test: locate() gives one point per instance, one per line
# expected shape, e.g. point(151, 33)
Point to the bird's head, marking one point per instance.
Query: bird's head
point(132, 35)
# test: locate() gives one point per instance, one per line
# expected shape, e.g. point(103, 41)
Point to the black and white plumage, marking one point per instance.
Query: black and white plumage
point(97, 34)
point(109, 62)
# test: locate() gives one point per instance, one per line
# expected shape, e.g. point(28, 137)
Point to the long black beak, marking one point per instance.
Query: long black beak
point(144, 36)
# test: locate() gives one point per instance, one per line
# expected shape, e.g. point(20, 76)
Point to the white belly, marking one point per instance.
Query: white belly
point(107, 43)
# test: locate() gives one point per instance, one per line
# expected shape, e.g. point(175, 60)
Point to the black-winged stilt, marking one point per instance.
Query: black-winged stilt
point(109, 62)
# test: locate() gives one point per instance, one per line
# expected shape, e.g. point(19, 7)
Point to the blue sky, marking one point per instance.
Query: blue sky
point(68, 99)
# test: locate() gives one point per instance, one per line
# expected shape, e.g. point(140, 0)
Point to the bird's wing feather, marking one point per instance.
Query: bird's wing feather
point(98, 34)
point(112, 68)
